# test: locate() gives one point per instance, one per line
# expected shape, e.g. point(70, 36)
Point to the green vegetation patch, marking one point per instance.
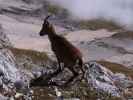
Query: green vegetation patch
point(117, 68)
point(81, 91)
point(123, 34)
point(99, 24)
point(29, 57)
point(84, 92)
point(34, 55)
point(56, 10)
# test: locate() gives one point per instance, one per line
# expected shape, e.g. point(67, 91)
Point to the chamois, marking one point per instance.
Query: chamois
point(66, 53)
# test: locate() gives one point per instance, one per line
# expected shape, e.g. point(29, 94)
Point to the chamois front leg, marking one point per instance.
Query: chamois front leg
point(75, 74)
point(60, 65)
point(59, 70)
point(79, 64)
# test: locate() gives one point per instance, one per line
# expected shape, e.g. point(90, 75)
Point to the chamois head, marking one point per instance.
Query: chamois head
point(46, 27)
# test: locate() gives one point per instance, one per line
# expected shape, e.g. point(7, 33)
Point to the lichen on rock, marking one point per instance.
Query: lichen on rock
point(9, 73)
point(4, 40)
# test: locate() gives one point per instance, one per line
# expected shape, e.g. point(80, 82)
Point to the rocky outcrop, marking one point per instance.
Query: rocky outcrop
point(4, 41)
point(12, 80)
point(97, 77)
point(101, 79)
point(7, 65)
point(10, 77)
point(14, 83)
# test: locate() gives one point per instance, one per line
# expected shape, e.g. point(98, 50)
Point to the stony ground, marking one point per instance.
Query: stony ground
point(109, 47)
point(22, 29)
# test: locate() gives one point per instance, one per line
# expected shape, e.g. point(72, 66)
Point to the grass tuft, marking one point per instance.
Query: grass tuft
point(99, 24)
point(123, 34)
point(117, 68)
point(30, 56)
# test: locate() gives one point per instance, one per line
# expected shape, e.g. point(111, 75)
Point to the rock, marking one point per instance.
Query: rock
point(97, 76)
point(1, 73)
point(19, 84)
point(3, 97)
point(9, 73)
point(18, 95)
point(123, 81)
point(101, 79)
point(1, 84)
point(4, 41)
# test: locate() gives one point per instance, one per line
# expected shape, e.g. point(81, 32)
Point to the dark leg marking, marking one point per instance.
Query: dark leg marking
point(80, 63)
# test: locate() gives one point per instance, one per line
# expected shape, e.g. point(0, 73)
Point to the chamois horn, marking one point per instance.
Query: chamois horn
point(46, 18)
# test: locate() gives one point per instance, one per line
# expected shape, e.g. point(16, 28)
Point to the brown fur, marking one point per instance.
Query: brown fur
point(65, 52)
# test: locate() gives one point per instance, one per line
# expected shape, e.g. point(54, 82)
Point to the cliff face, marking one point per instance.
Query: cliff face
point(22, 20)
point(12, 79)
point(7, 64)
point(10, 76)
point(4, 41)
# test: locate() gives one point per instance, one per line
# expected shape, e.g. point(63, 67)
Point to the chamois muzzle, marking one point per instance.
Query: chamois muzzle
point(42, 32)
point(45, 27)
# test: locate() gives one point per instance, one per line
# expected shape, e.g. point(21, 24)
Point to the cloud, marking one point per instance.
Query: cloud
point(120, 11)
